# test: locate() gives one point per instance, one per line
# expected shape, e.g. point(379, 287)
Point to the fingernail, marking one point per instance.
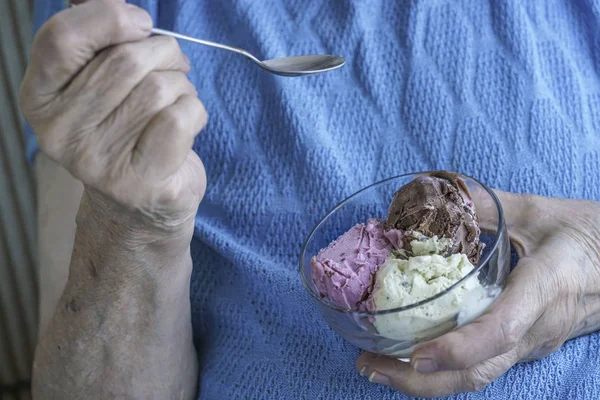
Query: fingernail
point(425, 365)
point(362, 370)
point(379, 378)
point(140, 17)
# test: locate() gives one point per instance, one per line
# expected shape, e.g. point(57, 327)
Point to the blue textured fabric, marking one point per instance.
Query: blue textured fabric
point(507, 92)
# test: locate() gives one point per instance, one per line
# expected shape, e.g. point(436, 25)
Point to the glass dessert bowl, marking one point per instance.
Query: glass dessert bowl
point(396, 330)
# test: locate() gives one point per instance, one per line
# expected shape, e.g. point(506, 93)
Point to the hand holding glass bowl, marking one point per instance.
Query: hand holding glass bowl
point(396, 332)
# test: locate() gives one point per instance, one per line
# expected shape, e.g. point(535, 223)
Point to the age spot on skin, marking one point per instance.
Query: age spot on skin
point(72, 306)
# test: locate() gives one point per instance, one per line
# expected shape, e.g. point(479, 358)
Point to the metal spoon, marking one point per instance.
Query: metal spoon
point(285, 66)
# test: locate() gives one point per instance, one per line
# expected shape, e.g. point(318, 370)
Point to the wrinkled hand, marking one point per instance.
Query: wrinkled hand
point(551, 296)
point(115, 108)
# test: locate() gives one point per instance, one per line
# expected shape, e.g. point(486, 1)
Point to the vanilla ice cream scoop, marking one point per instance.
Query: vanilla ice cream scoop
point(402, 282)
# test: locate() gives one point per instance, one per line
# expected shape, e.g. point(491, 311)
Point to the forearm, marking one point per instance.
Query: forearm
point(122, 327)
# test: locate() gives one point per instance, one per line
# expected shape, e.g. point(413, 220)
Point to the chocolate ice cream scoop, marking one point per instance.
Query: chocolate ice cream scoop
point(437, 204)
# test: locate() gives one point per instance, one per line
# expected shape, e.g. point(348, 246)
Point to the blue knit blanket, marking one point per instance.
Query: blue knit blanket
point(508, 93)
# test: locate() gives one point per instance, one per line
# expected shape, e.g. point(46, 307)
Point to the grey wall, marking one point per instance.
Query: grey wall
point(18, 292)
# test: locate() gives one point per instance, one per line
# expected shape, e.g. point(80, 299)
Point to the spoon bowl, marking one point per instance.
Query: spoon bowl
point(302, 65)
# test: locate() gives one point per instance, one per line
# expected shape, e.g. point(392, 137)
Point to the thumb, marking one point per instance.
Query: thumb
point(71, 38)
point(495, 333)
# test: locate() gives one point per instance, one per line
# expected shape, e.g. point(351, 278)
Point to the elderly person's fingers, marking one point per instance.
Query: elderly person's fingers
point(524, 219)
point(551, 295)
point(122, 89)
point(109, 79)
point(487, 210)
point(399, 375)
point(158, 90)
point(165, 144)
point(71, 38)
point(590, 322)
point(496, 332)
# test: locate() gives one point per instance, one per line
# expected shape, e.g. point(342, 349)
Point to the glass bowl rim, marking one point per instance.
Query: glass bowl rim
point(494, 247)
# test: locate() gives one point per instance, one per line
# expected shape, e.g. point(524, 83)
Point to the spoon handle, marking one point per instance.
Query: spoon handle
point(243, 52)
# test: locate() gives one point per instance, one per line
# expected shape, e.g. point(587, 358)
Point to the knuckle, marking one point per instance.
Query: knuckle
point(188, 85)
point(200, 112)
point(199, 107)
point(508, 331)
point(171, 43)
point(476, 380)
point(456, 357)
point(126, 60)
point(172, 119)
point(169, 194)
point(121, 22)
point(157, 85)
point(55, 34)
point(552, 342)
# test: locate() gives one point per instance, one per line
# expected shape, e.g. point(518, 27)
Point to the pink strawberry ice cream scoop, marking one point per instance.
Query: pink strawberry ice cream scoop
point(344, 271)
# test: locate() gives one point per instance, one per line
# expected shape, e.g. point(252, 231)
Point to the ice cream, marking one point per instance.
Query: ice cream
point(343, 272)
point(428, 243)
point(402, 282)
point(437, 204)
